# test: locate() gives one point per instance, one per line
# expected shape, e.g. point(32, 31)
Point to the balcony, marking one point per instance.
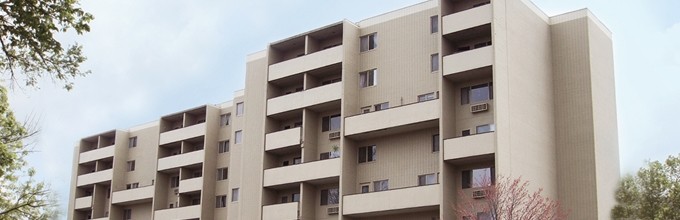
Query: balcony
point(306, 63)
point(467, 19)
point(384, 202)
point(96, 177)
point(282, 139)
point(191, 185)
point(182, 133)
point(96, 154)
point(466, 61)
point(307, 98)
point(187, 212)
point(302, 172)
point(83, 202)
point(180, 160)
point(133, 196)
point(470, 146)
point(285, 211)
point(394, 120)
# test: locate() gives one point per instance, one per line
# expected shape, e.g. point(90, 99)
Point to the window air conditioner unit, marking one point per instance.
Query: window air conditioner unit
point(479, 108)
point(478, 194)
point(334, 135)
point(176, 191)
point(333, 210)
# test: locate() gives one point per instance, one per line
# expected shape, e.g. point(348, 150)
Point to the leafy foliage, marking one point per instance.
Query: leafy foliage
point(21, 197)
point(654, 193)
point(29, 49)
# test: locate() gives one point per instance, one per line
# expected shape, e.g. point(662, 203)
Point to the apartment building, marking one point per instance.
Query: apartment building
point(386, 118)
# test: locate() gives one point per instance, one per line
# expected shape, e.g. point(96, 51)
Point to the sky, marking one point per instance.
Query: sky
point(152, 58)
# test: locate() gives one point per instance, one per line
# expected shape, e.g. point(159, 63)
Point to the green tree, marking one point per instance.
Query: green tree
point(653, 193)
point(21, 196)
point(30, 52)
point(29, 48)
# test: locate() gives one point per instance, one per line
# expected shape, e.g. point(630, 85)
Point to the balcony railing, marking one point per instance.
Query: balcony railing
point(467, 19)
point(302, 172)
point(182, 133)
point(191, 185)
point(96, 154)
point(95, 177)
point(468, 60)
point(282, 139)
point(133, 195)
point(83, 202)
point(280, 211)
point(306, 63)
point(186, 212)
point(470, 146)
point(180, 160)
point(393, 117)
point(307, 98)
point(389, 200)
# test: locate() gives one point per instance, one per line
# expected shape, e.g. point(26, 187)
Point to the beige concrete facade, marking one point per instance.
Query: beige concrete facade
point(378, 119)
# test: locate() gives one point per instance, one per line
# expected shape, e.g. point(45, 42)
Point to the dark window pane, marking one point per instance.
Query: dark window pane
point(435, 143)
point(334, 122)
point(362, 154)
point(324, 197)
point(479, 93)
point(466, 179)
point(466, 133)
point(464, 95)
point(284, 199)
point(324, 156)
point(325, 123)
point(372, 153)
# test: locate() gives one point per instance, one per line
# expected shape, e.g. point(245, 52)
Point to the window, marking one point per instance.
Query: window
point(238, 137)
point(366, 109)
point(427, 179)
point(284, 199)
point(133, 142)
point(329, 155)
point(367, 154)
point(381, 185)
point(132, 186)
point(285, 163)
point(483, 44)
point(486, 128)
point(434, 24)
point(234, 194)
point(426, 97)
point(222, 173)
point(224, 119)
point(434, 62)
point(365, 187)
point(127, 214)
point(369, 42)
point(330, 81)
point(477, 178)
point(195, 201)
point(476, 93)
point(435, 143)
point(368, 78)
point(221, 201)
point(295, 197)
point(330, 123)
point(174, 182)
point(239, 109)
point(131, 165)
point(297, 160)
point(483, 216)
point(330, 196)
point(382, 106)
point(466, 132)
point(223, 146)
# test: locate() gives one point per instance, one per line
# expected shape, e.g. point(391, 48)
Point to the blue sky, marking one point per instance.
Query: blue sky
point(151, 58)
